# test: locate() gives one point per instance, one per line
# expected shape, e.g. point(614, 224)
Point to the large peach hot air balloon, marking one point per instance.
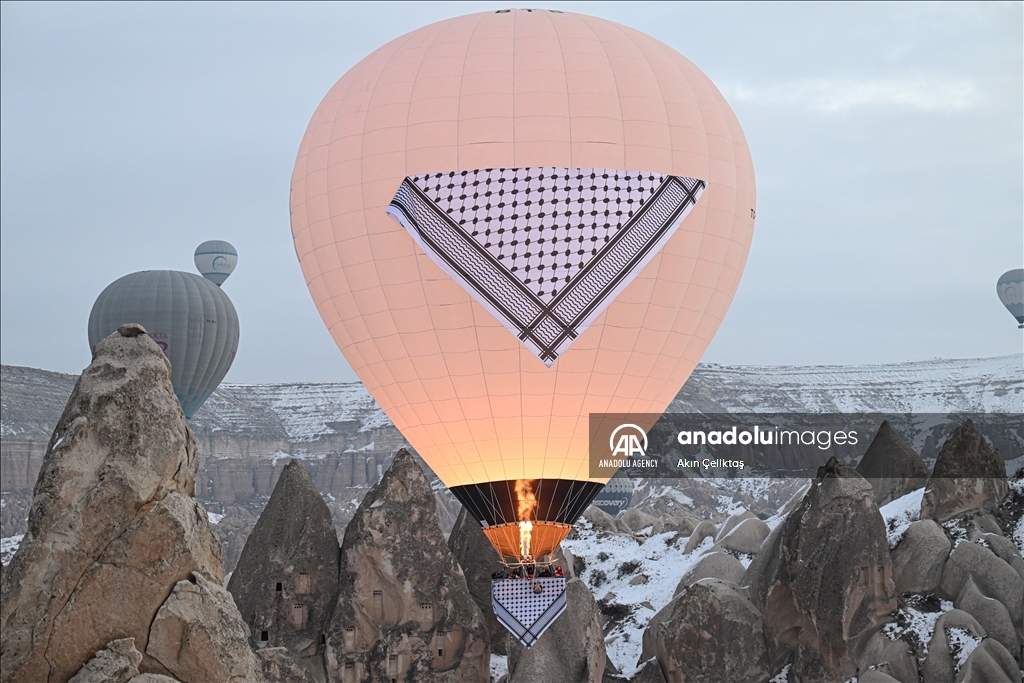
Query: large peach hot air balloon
point(511, 220)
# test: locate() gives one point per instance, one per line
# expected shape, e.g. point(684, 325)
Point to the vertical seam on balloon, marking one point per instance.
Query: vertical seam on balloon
point(659, 256)
point(572, 164)
point(668, 333)
point(416, 410)
point(585, 420)
point(366, 365)
point(458, 146)
point(206, 348)
point(369, 105)
point(473, 304)
point(327, 165)
point(519, 356)
point(618, 95)
point(683, 358)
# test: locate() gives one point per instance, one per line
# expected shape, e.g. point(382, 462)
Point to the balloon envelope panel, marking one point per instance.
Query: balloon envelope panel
point(1010, 288)
point(515, 90)
point(189, 317)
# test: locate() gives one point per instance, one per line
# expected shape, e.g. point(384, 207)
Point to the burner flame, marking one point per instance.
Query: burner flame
point(525, 532)
point(526, 500)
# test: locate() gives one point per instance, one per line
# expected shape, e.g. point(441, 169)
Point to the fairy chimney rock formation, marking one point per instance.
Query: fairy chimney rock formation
point(892, 466)
point(479, 560)
point(571, 650)
point(114, 525)
point(404, 611)
point(823, 579)
point(969, 476)
point(286, 580)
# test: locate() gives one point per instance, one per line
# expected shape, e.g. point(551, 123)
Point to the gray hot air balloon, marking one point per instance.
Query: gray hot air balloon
point(1010, 288)
point(216, 259)
point(190, 317)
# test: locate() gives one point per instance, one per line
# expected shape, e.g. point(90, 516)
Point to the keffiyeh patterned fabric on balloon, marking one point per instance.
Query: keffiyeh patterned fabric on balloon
point(544, 250)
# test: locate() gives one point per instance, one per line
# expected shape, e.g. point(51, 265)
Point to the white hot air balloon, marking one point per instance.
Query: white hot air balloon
point(216, 260)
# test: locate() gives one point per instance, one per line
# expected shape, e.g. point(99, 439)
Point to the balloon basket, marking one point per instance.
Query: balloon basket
point(528, 606)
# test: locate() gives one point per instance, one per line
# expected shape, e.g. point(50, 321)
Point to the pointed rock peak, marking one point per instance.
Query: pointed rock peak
point(403, 610)
point(892, 466)
point(966, 453)
point(889, 455)
point(114, 524)
point(294, 481)
point(401, 483)
point(836, 479)
point(286, 580)
point(835, 469)
point(969, 475)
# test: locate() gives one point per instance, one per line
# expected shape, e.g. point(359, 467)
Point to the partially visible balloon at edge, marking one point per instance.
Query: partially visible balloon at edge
point(216, 260)
point(1010, 288)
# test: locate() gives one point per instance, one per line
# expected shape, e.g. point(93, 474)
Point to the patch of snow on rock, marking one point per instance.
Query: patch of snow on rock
point(961, 645)
point(900, 514)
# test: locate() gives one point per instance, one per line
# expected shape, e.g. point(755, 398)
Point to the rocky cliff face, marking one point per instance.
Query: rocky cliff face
point(404, 611)
point(115, 533)
point(823, 581)
point(968, 476)
point(286, 582)
point(479, 561)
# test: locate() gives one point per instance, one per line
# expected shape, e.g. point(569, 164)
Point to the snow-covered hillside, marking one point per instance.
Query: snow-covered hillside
point(32, 399)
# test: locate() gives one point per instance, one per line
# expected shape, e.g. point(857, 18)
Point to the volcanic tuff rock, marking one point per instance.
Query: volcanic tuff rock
point(114, 525)
point(892, 466)
point(938, 665)
point(823, 578)
point(991, 663)
point(479, 560)
point(199, 636)
point(116, 663)
point(894, 658)
point(969, 475)
point(702, 531)
point(710, 632)
point(280, 667)
point(993, 576)
point(991, 614)
point(286, 581)
point(571, 650)
point(712, 566)
point(746, 537)
point(404, 611)
point(918, 559)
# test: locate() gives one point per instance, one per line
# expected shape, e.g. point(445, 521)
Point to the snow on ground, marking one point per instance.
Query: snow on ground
point(900, 514)
point(215, 518)
point(8, 546)
point(917, 616)
point(499, 667)
point(613, 563)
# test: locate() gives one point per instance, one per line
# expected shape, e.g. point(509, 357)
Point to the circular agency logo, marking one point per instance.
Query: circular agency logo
point(628, 441)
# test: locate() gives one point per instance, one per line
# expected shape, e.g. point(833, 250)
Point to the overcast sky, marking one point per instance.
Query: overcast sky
point(887, 144)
